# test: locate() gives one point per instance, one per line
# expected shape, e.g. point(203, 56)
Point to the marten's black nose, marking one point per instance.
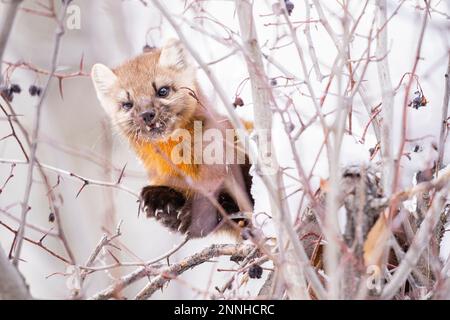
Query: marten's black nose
point(148, 116)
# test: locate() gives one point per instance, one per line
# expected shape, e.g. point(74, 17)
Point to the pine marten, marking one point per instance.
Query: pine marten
point(152, 99)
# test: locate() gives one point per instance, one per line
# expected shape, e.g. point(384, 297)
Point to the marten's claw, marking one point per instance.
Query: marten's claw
point(158, 212)
point(166, 205)
point(159, 200)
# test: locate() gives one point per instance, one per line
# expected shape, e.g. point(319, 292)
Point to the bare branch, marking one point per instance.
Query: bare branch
point(34, 138)
point(387, 108)
point(12, 285)
point(420, 242)
point(175, 270)
point(444, 117)
point(9, 11)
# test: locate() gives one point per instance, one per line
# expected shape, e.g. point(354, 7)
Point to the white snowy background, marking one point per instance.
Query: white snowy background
point(114, 30)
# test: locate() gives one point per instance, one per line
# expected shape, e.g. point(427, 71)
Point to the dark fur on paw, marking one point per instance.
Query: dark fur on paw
point(230, 206)
point(167, 206)
point(227, 202)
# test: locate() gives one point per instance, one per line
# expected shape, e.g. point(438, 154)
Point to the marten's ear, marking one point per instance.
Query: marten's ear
point(174, 56)
point(103, 78)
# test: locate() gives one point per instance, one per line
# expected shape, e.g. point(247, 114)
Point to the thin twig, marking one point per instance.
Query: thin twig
point(9, 11)
point(34, 137)
point(444, 124)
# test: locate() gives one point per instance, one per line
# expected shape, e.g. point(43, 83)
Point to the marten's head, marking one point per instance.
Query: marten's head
point(151, 95)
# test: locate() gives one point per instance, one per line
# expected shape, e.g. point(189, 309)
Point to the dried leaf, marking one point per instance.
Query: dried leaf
point(374, 246)
point(324, 185)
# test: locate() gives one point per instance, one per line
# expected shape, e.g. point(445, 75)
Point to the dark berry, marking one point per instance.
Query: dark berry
point(34, 90)
point(273, 82)
point(416, 102)
point(238, 102)
point(148, 48)
point(15, 88)
point(289, 6)
point(255, 271)
point(51, 217)
point(416, 148)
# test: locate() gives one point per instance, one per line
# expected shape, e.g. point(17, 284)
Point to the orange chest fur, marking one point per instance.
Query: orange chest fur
point(157, 159)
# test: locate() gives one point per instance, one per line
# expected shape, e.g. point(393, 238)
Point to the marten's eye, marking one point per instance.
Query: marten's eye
point(163, 92)
point(127, 105)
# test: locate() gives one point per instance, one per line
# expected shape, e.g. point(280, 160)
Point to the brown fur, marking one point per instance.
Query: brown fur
point(138, 81)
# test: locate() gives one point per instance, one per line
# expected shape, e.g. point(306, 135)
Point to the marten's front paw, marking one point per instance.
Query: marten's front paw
point(166, 205)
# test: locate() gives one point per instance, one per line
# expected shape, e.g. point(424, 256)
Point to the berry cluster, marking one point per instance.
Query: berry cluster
point(418, 101)
point(255, 271)
point(34, 90)
point(9, 92)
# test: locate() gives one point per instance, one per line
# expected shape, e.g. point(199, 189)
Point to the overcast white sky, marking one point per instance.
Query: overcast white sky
point(112, 31)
